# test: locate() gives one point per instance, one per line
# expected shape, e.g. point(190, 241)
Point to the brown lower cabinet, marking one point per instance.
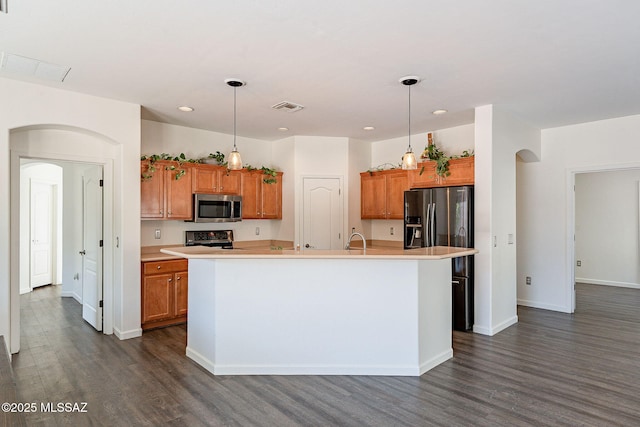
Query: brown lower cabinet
point(164, 293)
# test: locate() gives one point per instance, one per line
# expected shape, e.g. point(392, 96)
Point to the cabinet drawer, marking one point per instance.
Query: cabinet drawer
point(156, 267)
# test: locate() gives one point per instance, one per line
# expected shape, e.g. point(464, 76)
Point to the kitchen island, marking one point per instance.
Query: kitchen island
point(315, 312)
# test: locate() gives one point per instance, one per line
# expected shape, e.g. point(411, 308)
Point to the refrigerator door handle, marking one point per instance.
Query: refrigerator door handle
point(433, 225)
point(427, 234)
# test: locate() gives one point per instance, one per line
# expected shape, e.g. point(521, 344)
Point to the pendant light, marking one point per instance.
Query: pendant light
point(235, 161)
point(409, 159)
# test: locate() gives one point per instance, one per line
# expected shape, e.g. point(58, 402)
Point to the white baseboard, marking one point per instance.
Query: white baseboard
point(491, 331)
point(608, 283)
point(414, 371)
point(71, 294)
point(543, 306)
point(125, 335)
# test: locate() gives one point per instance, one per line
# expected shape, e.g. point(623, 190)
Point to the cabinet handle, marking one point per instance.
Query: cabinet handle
point(177, 277)
point(158, 267)
point(170, 280)
point(160, 211)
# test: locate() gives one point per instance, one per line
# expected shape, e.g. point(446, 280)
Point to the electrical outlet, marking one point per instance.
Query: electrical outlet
point(391, 230)
point(257, 231)
point(510, 239)
point(528, 280)
point(579, 263)
point(157, 233)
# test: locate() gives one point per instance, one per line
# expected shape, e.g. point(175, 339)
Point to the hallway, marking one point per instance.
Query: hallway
point(549, 369)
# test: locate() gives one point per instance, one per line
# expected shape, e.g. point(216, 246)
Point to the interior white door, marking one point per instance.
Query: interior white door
point(41, 265)
point(92, 250)
point(322, 213)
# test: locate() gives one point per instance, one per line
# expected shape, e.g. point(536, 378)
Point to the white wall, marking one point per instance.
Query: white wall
point(316, 156)
point(545, 202)
point(284, 160)
point(359, 161)
point(160, 138)
point(453, 141)
point(29, 106)
point(499, 136)
point(607, 228)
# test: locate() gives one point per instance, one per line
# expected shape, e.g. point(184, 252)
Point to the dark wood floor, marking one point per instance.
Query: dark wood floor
point(549, 369)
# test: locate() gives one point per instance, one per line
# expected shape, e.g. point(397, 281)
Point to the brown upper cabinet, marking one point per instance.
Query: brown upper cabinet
point(165, 197)
point(212, 179)
point(462, 172)
point(261, 200)
point(382, 193)
point(164, 194)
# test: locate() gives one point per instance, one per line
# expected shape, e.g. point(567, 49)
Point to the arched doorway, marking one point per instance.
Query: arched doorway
point(61, 144)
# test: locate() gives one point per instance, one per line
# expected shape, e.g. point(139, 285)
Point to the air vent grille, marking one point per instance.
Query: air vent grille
point(287, 106)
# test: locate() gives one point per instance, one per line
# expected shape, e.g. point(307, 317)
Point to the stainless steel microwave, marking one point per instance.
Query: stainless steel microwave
point(217, 208)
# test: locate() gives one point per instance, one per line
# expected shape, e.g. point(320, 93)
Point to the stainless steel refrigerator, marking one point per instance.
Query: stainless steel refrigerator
point(444, 217)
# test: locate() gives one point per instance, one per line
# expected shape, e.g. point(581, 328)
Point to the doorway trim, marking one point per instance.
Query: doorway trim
point(571, 222)
point(108, 227)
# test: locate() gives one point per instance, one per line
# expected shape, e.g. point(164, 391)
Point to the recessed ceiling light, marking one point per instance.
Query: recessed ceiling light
point(283, 129)
point(438, 112)
point(185, 108)
point(368, 128)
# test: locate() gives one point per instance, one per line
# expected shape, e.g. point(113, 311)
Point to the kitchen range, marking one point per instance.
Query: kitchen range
point(222, 239)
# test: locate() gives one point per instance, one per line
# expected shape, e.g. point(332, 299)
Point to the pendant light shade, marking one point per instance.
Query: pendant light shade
point(409, 159)
point(235, 161)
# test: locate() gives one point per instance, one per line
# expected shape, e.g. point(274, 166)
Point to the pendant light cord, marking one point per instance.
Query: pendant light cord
point(409, 117)
point(234, 118)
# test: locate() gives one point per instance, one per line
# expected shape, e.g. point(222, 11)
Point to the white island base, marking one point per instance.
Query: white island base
point(308, 316)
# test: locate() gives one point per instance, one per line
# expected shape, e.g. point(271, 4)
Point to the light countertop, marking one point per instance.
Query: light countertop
point(203, 252)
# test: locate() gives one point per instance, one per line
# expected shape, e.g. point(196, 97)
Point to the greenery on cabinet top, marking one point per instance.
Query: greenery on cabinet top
point(181, 159)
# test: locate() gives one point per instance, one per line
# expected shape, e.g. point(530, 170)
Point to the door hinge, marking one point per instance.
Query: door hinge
point(102, 183)
point(339, 191)
point(100, 304)
point(101, 243)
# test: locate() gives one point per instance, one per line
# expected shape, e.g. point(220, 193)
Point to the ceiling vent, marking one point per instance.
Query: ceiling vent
point(34, 68)
point(287, 106)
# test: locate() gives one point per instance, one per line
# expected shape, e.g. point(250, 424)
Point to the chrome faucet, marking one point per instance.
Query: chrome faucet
point(364, 242)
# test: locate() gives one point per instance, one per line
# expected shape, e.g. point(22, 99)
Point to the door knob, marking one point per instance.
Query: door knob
point(82, 252)
point(307, 246)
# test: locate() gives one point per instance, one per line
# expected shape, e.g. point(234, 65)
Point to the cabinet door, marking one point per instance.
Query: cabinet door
point(397, 183)
point(156, 297)
point(372, 196)
point(250, 190)
point(179, 195)
point(271, 198)
point(181, 292)
point(151, 192)
point(229, 182)
point(462, 172)
point(205, 179)
point(424, 176)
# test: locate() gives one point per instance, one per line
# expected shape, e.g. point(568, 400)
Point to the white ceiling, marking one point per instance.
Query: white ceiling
point(549, 62)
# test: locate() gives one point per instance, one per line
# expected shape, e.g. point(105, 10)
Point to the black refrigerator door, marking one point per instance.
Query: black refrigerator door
point(439, 225)
point(460, 212)
point(416, 204)
point(462, 293)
